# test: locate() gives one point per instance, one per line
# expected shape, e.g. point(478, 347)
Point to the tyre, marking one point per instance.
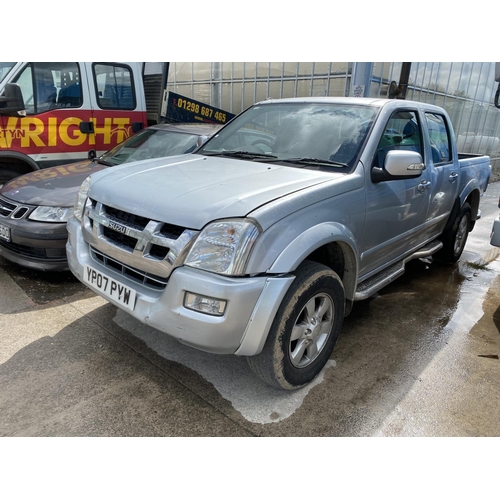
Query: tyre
point(6, 174)
point(455, 237)
point(305, 329)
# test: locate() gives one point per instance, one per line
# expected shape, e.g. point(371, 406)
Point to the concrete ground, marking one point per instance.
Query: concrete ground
point(418, 359)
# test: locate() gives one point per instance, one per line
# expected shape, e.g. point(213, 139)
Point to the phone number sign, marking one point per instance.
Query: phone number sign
point(183, 109)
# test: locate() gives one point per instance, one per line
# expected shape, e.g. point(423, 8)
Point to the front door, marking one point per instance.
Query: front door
point(396, 209)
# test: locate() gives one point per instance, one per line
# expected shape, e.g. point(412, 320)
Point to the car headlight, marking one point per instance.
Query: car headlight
point(224, 247)
point(51, 214)
point(81, 199)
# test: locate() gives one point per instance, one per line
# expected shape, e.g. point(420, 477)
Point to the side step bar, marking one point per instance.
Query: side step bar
point(373, 284)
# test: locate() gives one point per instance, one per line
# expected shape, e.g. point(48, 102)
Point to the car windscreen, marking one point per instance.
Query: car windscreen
point(300, 133)
point(151, 143)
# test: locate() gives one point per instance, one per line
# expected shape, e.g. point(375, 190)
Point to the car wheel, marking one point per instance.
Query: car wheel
point(305, 329)
point(455, 237)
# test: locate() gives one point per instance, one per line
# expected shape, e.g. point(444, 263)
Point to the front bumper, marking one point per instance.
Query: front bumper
point(36, 245)
point(252, 302)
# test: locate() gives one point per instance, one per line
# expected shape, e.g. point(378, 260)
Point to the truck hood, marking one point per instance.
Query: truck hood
point(51, 187)
point(192, 190)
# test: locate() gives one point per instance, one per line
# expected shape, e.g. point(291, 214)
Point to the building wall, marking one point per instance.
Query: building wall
point(465, 89)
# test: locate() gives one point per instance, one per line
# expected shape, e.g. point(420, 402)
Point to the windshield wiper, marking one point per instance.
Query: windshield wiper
point(314, 161)
point(240, 154)
point(103, 162)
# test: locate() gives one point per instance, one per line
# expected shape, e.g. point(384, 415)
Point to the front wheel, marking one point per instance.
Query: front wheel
point(455, 237)
point(305, 329)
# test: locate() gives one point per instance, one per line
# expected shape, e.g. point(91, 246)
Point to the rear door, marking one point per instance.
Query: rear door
point(117, 102)
point(443, 169)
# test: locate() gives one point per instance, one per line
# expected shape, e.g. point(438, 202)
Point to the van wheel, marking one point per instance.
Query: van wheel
point(455, 237)
point(305, 329)
point(7, 174)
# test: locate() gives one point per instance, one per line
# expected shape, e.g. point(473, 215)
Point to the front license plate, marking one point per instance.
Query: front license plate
point(109, 287)
point(4, 232)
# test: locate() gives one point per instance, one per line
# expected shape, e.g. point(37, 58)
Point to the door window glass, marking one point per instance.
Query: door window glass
point(47, 86)
point(402, 133)
point(114, 86)
point(439, 138)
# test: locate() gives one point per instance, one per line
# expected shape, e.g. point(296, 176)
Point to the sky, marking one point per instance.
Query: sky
point(261, 31)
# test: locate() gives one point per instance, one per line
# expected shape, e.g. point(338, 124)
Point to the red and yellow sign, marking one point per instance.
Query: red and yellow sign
point(53, 133)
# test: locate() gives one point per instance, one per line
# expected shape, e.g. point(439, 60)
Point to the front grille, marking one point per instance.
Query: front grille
point(151, 247)
point(12, 210)
point(120, 239)
point(127, 218)
point(6, 208)
point(146, 279)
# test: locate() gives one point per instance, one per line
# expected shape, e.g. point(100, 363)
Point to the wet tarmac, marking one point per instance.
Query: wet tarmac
point(420, 358)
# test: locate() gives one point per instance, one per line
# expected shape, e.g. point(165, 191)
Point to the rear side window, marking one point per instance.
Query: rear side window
point(47, 86)
point(401, 133)
point(439, 138)
point(114, 86)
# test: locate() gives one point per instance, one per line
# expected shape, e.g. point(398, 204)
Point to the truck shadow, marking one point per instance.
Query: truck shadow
point(43, 287)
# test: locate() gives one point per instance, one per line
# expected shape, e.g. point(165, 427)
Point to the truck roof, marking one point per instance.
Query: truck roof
point(367, 101)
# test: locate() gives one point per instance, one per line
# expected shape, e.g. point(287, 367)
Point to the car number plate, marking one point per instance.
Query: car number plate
point(4, 232)
point(109, 287)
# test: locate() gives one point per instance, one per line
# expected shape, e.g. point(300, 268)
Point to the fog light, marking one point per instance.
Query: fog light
point(207, 305)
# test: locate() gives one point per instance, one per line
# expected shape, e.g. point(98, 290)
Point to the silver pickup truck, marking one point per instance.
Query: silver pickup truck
point(258, 243)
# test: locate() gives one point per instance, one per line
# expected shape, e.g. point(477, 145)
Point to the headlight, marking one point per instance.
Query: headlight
point(223, 247)
point(81, 199)
point(51, 214)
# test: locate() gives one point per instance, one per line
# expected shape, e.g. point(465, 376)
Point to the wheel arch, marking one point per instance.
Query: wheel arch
point(473, 200)
point(329, 243)
point(18, 161)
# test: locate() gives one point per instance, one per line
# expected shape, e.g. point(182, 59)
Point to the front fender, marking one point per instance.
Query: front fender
point(316, 237)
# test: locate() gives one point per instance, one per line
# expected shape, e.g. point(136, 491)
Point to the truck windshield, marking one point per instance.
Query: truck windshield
point(5, 67)
point(302, 134)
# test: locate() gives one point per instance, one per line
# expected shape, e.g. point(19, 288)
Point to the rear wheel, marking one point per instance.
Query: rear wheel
point(305, 329)
point(455, 237)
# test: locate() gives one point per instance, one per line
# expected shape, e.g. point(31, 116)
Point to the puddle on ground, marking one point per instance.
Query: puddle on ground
point(230, 375)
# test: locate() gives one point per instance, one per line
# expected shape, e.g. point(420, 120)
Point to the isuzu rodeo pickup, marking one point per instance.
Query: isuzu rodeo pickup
point(259, 242)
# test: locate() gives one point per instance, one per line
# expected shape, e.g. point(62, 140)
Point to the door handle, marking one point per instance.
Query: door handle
point(423, 186)
point(453, 177)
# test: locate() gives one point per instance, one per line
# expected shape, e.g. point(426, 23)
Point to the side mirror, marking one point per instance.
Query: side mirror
point(11, 101)
point(399, 164)
point(201, 140)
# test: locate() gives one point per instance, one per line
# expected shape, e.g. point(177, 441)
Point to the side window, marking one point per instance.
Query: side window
point(114, 86)
point(402, 132)
point(47, 86)
point(439, 138)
